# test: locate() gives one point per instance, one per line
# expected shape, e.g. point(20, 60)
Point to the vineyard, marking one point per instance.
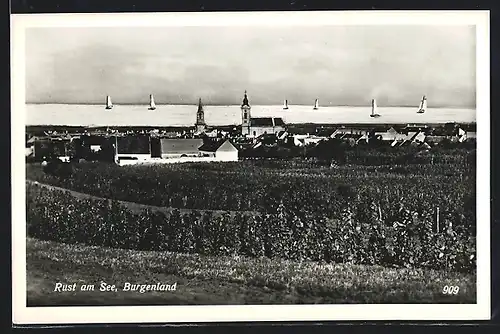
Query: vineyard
point(54, 215)
point(409, 215)
point(249, 186)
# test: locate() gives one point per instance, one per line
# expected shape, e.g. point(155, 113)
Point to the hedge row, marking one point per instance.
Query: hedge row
point(357, 235)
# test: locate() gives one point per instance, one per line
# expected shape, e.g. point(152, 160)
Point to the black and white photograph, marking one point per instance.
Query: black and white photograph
point(184, 167)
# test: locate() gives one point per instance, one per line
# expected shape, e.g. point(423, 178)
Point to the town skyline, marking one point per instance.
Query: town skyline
point(339, 65)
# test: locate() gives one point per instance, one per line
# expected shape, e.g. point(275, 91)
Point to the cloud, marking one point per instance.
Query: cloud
point(339, 65)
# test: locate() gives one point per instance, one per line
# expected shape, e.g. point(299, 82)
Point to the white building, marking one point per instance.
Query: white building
point(410, 138)
point(180, 148)
point(390, 135)
point(222, 151)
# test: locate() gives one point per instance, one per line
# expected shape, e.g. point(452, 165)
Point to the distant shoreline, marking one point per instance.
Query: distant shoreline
point(180, 127)
point(256, 105)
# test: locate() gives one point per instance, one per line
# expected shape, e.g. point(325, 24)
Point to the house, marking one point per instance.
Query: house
point(410, 138)
point(131, 147)
point(95, 148)
point(434, 140)
point(221, 150)
point(180, 148)
point(282, 135)
point(390, 135)
point(265, 125)
point(363, 139)
point(46, 147)
point(416, 128)
point(312, 140)
point(353, 138)
point(464, 135)
point(425, 146)
point(471, 135)
point(212, 134)
point(29, 151)
point(30, 146)
point(299, 140)
point(338, 133)
point(256, 126)
point(324, 132)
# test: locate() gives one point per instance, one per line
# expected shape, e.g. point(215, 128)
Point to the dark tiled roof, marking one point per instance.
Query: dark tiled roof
point(262, 121)
point(278, 121)
point(221, 145)
point(267, 121)
point(325, 132)
point(179, 146)
point(210, 146)
point(96, 140)
point(130, 144)
point(267, 136)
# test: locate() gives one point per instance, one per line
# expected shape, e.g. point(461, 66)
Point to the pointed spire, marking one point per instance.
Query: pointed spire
point(200, 105)
point(245, 100)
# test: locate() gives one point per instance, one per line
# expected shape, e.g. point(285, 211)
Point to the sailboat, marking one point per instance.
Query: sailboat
point(316, 105)
point(423, 105)
point(109, 105)
point(374, 109)
point(152, 105)
point(285, 105)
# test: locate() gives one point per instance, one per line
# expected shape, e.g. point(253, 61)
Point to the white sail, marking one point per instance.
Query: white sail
point(285, 104)
point(109, 105)
point(423, 105)
point(316, 104)
point(374, 109)
point(152, 104)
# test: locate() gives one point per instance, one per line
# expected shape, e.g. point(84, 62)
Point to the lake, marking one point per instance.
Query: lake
point(185, 115)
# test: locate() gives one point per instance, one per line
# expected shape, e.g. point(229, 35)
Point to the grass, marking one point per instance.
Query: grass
point(225, 280)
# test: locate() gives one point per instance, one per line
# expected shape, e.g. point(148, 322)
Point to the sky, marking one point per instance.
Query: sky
point(339, 65)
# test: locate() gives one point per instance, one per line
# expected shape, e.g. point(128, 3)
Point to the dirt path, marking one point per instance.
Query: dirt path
point(136, 207)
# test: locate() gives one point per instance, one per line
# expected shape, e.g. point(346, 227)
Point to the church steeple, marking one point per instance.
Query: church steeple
point(200, 107)
point(245, 100)
point(200, 118)
point(245, 116)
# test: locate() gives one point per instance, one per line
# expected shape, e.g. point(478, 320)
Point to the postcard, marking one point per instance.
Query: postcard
point(250, 166)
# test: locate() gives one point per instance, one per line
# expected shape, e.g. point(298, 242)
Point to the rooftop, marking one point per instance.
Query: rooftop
point(179, 146)
point(221, 146)
point(267, 121)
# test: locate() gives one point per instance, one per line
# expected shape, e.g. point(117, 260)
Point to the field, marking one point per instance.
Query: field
point(370, 233)
point(226, 279)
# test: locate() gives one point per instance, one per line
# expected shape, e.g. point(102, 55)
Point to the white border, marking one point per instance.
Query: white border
point(175, 314)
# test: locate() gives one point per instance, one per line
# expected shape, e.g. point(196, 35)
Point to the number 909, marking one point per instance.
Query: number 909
point(450, 289)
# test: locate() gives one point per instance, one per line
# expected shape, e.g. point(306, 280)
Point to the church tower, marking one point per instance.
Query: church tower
point(245, 116)
point(200, 118)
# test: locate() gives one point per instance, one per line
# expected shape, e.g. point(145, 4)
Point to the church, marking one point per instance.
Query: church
point(200, 124)
point(257, 126)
